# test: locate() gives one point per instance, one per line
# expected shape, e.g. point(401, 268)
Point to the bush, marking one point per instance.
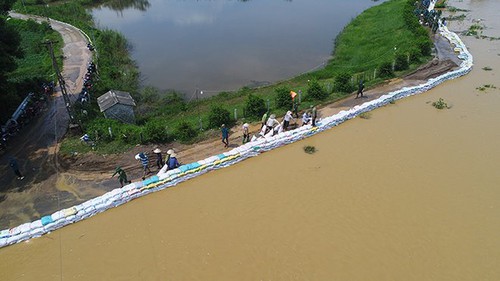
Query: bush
point(98, 129)
point(219, 116)
point(130, 134)
point(185, 132)
point(415, 55)
point(425, 46)
point(283, 98)
point(440, 104)
point(155, 131)
point(385, 70)
point(401, 62)
point(342, 83)
point(255, 106)
point(315, 91)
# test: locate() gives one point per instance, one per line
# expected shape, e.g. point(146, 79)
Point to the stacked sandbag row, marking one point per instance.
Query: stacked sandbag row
point(165, 179)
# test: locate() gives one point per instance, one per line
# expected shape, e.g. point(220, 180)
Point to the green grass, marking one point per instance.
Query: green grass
point(36, 62)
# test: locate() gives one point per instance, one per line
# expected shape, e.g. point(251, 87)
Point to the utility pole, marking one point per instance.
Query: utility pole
point(72, 120)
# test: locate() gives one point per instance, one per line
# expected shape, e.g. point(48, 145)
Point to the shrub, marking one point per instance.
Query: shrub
point(414, 54)
point(309, 149)
point(385, 70)
point(219, 116)
point(401, 62)
point(440, 104)
point(185, 132)
point(424, 44)
point(130, 134)
point(315, 91)
point(98, 129)
point(342, 83)
point(255, 106)
point(155, 131)
point(283, 98)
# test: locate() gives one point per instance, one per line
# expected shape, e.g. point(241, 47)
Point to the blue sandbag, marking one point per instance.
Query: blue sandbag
point(150, 180)
point(46, 220)
point(221, 156)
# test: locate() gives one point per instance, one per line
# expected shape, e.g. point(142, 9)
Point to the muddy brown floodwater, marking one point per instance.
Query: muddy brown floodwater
point(410, 194)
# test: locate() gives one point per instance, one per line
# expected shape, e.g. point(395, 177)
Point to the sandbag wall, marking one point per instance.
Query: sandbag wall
point(165, 179)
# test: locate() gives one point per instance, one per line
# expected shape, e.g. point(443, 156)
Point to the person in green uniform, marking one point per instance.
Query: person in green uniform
point(122, 176)
point(264, 119)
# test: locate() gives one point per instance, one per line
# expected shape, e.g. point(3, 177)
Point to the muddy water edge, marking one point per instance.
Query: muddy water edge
point(411, 193)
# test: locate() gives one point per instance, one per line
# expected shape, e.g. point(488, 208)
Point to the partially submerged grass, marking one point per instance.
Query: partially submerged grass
point(440, 104)
point(452, 9)
point(474, 30)
point(486, 87)
point(458, 17)
point(309, 149)
point(365, 115)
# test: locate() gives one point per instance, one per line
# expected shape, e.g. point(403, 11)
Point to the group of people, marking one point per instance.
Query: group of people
point(171, 162)
point(270, 125)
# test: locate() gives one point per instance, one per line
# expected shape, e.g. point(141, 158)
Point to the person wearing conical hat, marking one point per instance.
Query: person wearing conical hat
point(271, 123)
point(169, 153)
point(122, 176)
point(172, 161)
point(159, 158)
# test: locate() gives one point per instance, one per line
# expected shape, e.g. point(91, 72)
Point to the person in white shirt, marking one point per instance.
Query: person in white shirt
point(286, 120)
point(271, 122)
point(306, 118)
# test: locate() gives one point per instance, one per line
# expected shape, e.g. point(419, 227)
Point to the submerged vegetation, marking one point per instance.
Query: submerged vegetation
point(440, 104)
point(365, 115)
point(486, 87)
point(382, 42)
point(309, 149)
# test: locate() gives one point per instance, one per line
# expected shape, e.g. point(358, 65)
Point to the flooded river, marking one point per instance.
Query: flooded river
point(413, 193)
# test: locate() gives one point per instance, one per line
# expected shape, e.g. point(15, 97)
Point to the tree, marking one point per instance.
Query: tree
point(343, 83)
point(315, 91)
point(9, 50)
point(255, 106)
point(283, 98)
point(219, 116)
point(185, 132)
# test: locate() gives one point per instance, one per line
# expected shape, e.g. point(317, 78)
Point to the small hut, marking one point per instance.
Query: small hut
point(117, 105)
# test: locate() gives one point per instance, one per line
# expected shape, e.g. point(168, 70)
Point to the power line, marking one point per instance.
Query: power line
point(62, 85)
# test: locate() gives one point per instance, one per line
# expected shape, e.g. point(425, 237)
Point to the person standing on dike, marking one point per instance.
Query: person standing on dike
point(246, 134)
point(314, 115)
point(145, 164)
point(361, 87)
point(225, 135)
point(159, 158)
point(122, 176)
point(15, 167)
